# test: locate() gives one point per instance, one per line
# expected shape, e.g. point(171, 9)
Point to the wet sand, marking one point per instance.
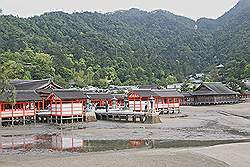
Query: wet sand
point(215, 156)
point(206, 123)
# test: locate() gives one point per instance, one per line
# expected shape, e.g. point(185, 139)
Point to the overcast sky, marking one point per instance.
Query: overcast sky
point(189, 8)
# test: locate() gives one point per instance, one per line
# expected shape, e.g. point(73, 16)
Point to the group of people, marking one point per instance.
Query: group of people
point(94, 106)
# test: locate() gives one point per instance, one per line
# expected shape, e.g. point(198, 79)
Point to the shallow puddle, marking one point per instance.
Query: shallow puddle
point(57, 142)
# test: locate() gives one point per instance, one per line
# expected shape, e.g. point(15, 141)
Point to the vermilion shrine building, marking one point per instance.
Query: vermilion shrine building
point(164, 100)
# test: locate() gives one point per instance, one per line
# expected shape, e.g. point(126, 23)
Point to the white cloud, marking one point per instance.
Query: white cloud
point(190, 8)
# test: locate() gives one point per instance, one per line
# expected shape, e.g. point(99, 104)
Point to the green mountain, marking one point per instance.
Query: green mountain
point(124, 47)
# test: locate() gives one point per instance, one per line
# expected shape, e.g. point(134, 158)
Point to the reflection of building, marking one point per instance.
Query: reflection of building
point(61, 143)
point(66, 143)
point(136, 143)
point(16, 142)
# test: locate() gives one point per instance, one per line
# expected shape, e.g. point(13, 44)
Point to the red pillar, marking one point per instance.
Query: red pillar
point(157, 103)
point(173, 99)
point(82, 105)
point(1, 109)
point(34, 104)
point(51, 106)
point(38, 106)
point(162, 101)
point(179, 101)
point(56, 106)
point(61, 107)
point(72, 108)
point(134, 102)
point(42, 103)
point(140, 104)
point(168, 101)
point(23, 108)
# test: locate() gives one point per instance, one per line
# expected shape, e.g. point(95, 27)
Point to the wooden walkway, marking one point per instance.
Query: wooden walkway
point(122, 116)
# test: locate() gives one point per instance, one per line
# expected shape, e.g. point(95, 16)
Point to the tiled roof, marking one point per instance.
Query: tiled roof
point(32, 84)
point(102, 96)
point(149, 87)
point(214, 88)
point(167, 93)
point(119, 96)
point(157, 93)
point(70, 94)
point(144, 92)
point(186, 94)
point(21, 95)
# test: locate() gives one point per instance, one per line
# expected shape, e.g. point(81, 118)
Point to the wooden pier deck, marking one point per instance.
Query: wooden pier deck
point(122, 116)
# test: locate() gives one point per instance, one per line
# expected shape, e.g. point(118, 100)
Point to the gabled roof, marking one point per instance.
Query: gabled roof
point(149, 87)
point(144, 92)
point(157, 92)
point(186, 94)
point(119, 96)
point(167, 93)
point(213, 88)
point(21, 96)
point(33, 84)
point(70, 94)
point(101, 96)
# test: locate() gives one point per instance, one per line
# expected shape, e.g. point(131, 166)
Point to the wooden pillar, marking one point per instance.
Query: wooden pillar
point(42, 103)
point(34, 103)
point(56, 110)
point(179, 101)
point(128, 103)
point(38, 106)
point(134, 102)
point(173, 99)
point(23, 113)
point(72, 111)
point(162, 101)
point(148, 103)
point(12, 114)
point(157, 103)
point(51, 111)
point(168, 101)
point(61, 110)
point(1, 109)
point(83, 109)
point(140, 104)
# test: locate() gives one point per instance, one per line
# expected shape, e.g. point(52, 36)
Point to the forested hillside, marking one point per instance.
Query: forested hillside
point(125, 47)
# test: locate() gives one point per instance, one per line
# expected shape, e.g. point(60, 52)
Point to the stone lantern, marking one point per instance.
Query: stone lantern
point(152, 103)
point(88, 103)
point(126, 102)
point(114, 99)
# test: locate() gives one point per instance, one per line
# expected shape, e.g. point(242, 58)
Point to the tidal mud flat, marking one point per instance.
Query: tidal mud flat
point(195, 133)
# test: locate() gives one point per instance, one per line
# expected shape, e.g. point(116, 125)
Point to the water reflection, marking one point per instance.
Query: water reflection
point(58, 142)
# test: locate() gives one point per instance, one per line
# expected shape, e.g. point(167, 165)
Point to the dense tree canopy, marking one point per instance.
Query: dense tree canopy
point(125, 47)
